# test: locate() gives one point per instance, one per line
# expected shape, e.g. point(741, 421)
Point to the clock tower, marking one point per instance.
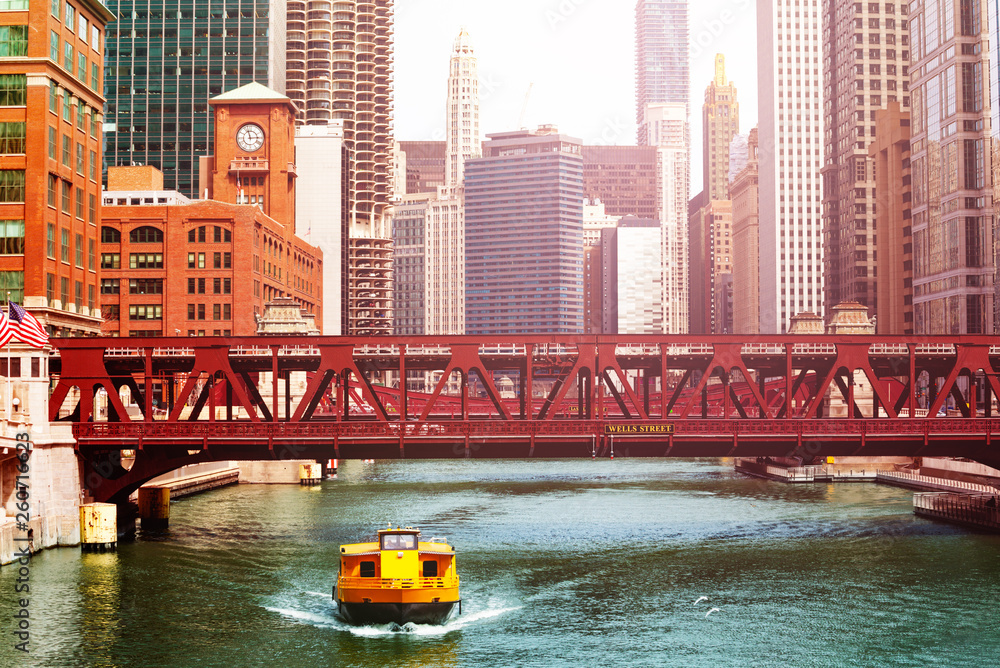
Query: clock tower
point(254, 161)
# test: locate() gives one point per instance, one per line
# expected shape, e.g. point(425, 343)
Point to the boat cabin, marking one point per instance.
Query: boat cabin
point(398, 554)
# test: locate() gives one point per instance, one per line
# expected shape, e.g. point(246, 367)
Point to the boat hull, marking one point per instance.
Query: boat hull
point(399, 613)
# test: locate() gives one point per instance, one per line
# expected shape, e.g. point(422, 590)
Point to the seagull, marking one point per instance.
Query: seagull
point(700, 599)
point(711, 611)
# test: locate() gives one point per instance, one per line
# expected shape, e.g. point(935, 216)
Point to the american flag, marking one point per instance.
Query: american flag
point(6, 331)
point(26, 327)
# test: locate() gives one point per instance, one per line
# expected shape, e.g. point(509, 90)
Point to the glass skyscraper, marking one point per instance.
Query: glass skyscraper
point(165, 59)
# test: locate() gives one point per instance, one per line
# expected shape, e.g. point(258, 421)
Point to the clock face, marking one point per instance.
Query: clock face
point(250, 137)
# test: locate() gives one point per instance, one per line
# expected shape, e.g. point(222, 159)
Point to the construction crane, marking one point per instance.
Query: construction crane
point(524, 107)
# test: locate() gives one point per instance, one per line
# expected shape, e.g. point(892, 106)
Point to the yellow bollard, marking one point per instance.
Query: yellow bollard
point(310, 474)
point(98, 527)
point(154, 507)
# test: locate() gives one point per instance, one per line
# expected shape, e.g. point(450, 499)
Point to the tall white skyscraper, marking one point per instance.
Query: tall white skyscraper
point(429, 228)
point(463, 140)
point(668, 130)
point(790, 113)
point(662, 72)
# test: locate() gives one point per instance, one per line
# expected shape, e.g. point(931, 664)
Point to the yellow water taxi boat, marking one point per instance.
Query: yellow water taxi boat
point(400, 578)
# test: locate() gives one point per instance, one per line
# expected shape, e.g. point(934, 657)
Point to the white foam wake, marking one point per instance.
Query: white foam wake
point(455, 623)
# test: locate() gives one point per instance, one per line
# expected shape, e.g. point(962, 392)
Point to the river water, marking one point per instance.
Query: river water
point(563, 563)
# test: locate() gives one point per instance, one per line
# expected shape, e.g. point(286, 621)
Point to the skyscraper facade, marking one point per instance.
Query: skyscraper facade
point(425, 166)
point(661, 58)
point(623, 178)
point(630, 263)
point(720, 123)
point(890, 152)
point(463, 139)
point(165, 59)
point(950, 152)
point(866, 57)
point(746, 244)
point(791, 135)
point(524, 234)
point(668, 131)
point(51, 64)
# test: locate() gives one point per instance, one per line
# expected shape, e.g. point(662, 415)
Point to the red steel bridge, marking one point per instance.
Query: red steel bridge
point(176, 401)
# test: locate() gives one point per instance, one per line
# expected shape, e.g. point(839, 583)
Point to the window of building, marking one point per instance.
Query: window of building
point(11, 237)
point(13, 90)
point(54, 46)
point(110, 286)
point(145, 312)
point(91, 255)
point(110, 235)
point(216, 311)
point(94, 76)
point(78, 295)
point(217, 260)
point(145, 261)
point(201, 311)
point(79, 251)
point(50, 241)
point(67, 196)
point(79, 203)
point(50, 288)
point(227, 261)
point(53, 143)
point(12, 282)
point(67, 154)
point(222, 235)
point(90, 298)
point(110, 312)
point(11, 185)
point(13, 40)
point(227, 312)
point(12, 136)
point(110, 261)
point(81, 66)
point(68, 55)
point(201, 286)
point(145, 286)
point(79, 158)
point(93, 165)
point(92, 208)
point(53, 187)
point(64, 291)
point(146, 235)
point(53, 95)
point(64, 235)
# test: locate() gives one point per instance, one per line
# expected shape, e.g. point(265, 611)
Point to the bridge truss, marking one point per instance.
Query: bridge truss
point(179, 400)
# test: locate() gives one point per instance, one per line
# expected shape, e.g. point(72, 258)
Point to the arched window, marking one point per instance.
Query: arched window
point(110, 235)
point(146, 235)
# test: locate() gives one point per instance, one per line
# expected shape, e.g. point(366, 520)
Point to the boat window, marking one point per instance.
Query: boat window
point(367, 569)
point(430, 569)
point(396, 541)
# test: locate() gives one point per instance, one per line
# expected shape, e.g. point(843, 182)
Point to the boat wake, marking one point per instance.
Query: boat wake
point(330, 620)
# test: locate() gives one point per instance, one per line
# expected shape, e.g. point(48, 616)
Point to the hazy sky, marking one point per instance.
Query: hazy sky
point(579, 54)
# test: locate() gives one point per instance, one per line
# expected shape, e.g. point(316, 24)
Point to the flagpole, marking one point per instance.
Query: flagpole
point(10, 415)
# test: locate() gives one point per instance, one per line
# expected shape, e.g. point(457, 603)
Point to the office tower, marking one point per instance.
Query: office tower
point(429, 244)
point(165, 59)
point(463, 140)
point(866, 67)
point(711, 265)
point(667, 130)
point(51, 64)
point(661, 58)
point(320, 200)
point(595, 219)
point(720, 123)
point(953, 229)
point(630, 265)
point(890, 154)
point(746, 279)
point(790, 82)
point(425, 166)
point(623, 178)
point(524, 234)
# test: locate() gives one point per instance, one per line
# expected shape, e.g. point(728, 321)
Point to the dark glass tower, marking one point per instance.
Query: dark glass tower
point(524, 235)
point(164, 59)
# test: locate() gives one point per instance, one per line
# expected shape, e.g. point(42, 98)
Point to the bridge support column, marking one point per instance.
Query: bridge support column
point(154, 507)
point(98, 527)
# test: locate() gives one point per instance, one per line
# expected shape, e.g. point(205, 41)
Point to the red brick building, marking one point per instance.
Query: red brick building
point(51, 79)
point(170, 266)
